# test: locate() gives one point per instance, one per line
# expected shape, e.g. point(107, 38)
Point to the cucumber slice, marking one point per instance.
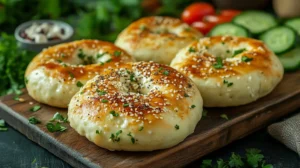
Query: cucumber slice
point(294, 24)
point(291, 59)
point(279, 39)
point(255, 21)
point(229, 29)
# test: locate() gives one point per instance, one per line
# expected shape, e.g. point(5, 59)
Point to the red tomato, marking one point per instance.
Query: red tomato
point(196, 12)
point(217, 19)
point(230, 12)
point(203, 27)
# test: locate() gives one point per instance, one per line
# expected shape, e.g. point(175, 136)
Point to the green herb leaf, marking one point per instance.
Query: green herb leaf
point(117, 53)
point(55, 127)
point(35, 108)
point(235, 161)
point(166, 72)
point(177, 127)
point(33, 120)
point(227, 83)
point(193, 106)
point(246, 59)
point(126, 105)
point(101, 92)
point(219, 63)
point(71, 74)
point(101, 55)
point(224, 116)
point(131, 138)
point(132, 78)
point(141, 128)
point(104, 101)
point(221, 164)
point(236, 52)
point(2, 123)
point(192, 50)
point(58, 117)
point(3, 129)
point(81, 55)
point(98, 132)
point(254, 157)
point(186, 95)
point(268, 166)
point(113, 113)
point(206, 164)
point(116, 138)
point(79, 84)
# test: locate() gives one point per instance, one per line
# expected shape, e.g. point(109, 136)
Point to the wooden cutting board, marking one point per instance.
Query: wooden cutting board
point(212, 132)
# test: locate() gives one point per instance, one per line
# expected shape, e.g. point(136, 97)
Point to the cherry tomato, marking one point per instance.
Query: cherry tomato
point(230, 12)
point(196, 12)
point(217, 19)
point(203, 27)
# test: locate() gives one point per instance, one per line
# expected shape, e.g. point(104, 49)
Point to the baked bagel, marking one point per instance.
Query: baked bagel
point(156, 38)
point(229, 71)
point(58, 72)
point(140, 106)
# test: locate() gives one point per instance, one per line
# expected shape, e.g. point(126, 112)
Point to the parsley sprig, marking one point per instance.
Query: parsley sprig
point(253, 159)
point(219, 63)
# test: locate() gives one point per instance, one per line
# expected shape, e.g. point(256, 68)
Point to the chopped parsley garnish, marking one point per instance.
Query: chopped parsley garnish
point(33, 120)
point(186, 95)
point(35, 108)
point(59, 61)
point(132, 78)
point(166, 72)
point(254, 158)
point(115, 137)
point(55, 127)
point(223, 42)
point(62, 55)
point(79, 84)
point(227, 51)
point(131, 138)
point(191, 49)
point(113, 113)
point(64, 65)
point(104, 101)
point(224, 116)
point(204, 113)
point(98, 132)
point(193, 106)
point(101, 92)
point(126, 105)
point(143, 27)
point(246, 59)
point(117, 53)
point(206, 47)
point(71, 74)
point(160, 69)
point(109, 60)
point(236, 52)
point(227, 83)
point(2, 125)
point(58, 117)
point(177, 127)
point(219, 63)
point(26, 80)
point(101, 55)
point(81, 55)
point(141, 128)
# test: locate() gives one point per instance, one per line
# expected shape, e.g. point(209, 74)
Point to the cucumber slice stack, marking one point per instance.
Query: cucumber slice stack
point(291, 59)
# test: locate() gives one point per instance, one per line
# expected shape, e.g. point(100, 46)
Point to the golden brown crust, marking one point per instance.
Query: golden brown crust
point(104, 94)
point(200, 61)
point(58, 61)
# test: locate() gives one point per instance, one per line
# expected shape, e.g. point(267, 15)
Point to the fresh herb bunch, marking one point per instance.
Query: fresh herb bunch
point(253, 159)
point(13, 62)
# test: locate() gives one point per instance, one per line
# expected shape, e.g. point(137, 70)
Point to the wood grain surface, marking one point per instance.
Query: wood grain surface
point(211, 133)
